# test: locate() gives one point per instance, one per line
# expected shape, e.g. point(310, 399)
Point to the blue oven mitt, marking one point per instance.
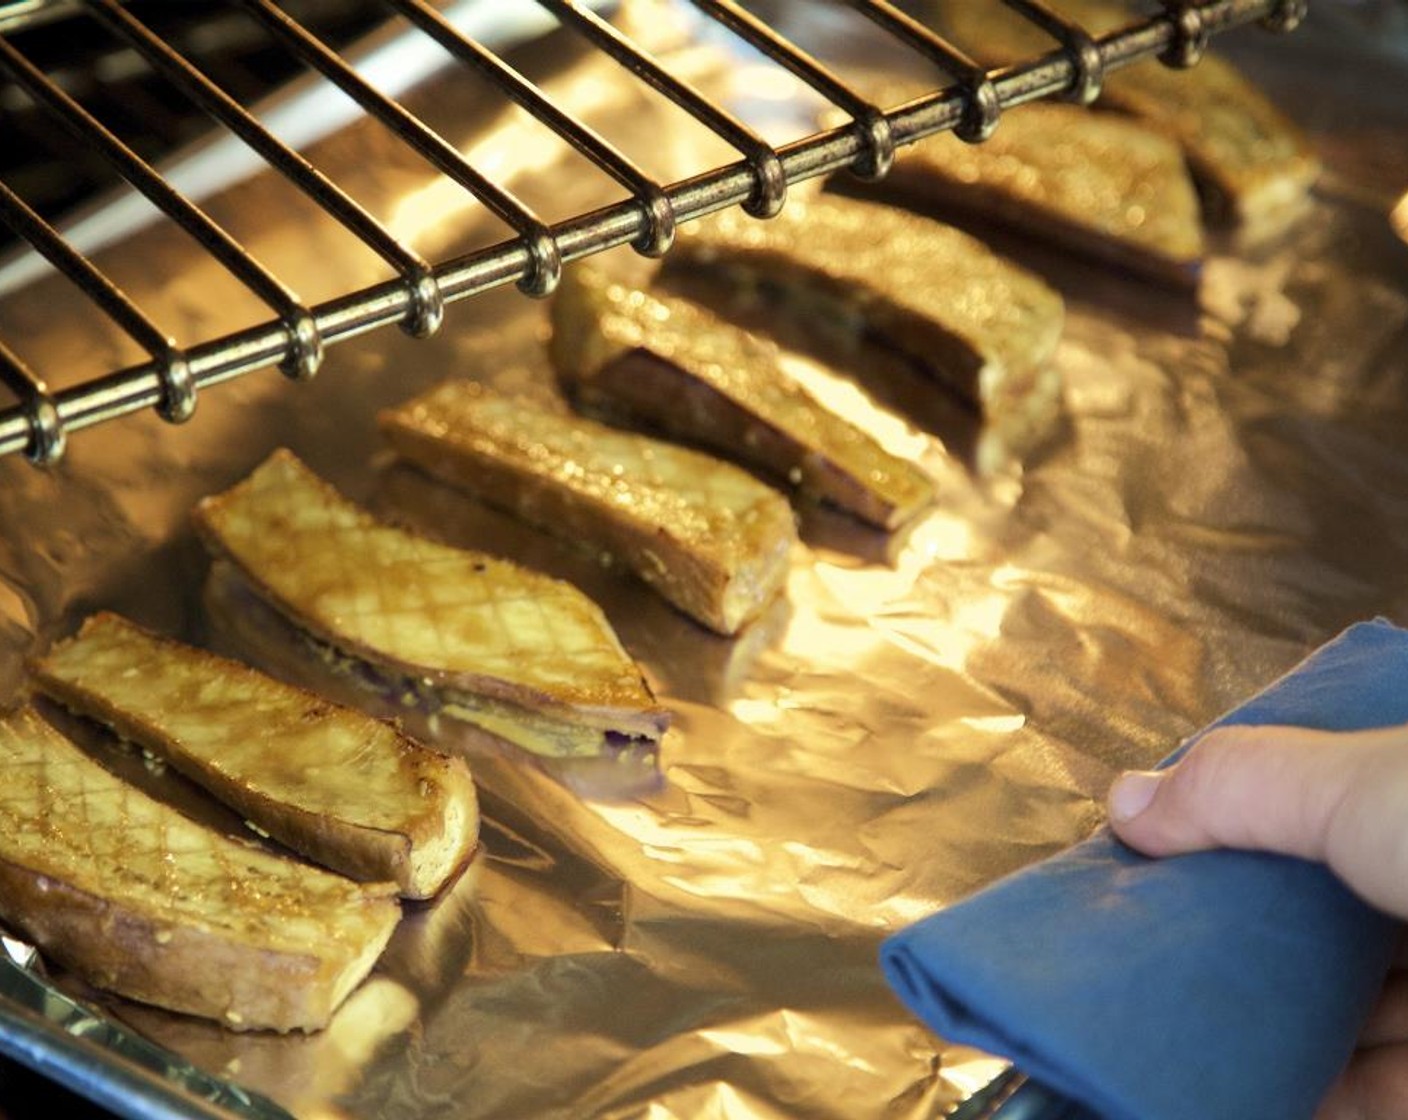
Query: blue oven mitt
point(1219, 985)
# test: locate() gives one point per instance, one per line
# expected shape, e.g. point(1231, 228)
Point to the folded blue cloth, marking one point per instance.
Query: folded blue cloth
point(1218, 984)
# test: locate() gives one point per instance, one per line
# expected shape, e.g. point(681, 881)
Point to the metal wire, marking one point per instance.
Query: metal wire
point(970, 105)
point(1190, 35)
point(657, 211)
point(545, 260)
point(1078, 43)
point(770, 179)
point(45, 439)
point(178, 401)
point(303, 350)
point(873, 129)
point(982, 108)
point(428, 307)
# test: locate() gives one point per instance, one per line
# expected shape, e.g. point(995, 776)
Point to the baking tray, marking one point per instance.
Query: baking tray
point(1228, 487)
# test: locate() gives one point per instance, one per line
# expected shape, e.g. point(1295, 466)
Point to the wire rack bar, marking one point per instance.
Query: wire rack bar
point(654, 201)
point(15, 14)
point(546, 262)
point(769, 180)
point(1077, 43)
point(758, 181)
point(303, 348)
point(983, 108)
point(873, 128)
point(178, 389)
point(427, 306)
point(44, 429)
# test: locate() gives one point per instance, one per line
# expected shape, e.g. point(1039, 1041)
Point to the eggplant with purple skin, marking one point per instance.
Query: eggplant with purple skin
point(140, 900)
point(470, 637)
point(662, 363)
point(1107, 187)
point(708, 536)
point(1254, 166)
point(869, 273)
point(346, 790)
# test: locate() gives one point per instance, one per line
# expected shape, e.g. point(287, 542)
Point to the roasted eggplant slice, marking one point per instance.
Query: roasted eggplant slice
point(708, 536)
point(1100, 184)
point(139, 900)
point(1254, 166)
point(337, 786)
point(981, 325)
point(668, 365)
point(527, 658)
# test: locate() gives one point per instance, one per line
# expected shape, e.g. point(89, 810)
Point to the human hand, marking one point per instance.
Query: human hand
point(1340, 798)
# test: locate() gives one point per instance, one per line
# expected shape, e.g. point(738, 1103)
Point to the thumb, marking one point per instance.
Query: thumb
point(1264, 788)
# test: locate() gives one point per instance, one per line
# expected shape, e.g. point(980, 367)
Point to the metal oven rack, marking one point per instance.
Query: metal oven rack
point(296, 334)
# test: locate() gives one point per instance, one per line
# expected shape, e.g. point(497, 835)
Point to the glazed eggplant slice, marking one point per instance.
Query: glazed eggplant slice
point(1254, 166)
point(529, 659)
point(979, 324)
point(337, 786)
point(141, 901)
point(708, 536)
point(667, 365)
point(1098, 183)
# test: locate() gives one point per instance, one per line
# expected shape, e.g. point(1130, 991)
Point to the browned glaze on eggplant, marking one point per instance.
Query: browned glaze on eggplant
point(338, 786)
point(1254, 165)
point(139, 900)
point(528, 658)
point(980, 324)
point(668, 365)
point(708, 536)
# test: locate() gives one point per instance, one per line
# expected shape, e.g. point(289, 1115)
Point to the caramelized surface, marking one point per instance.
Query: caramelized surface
point(274, 747)
point(1255, 160)
point(701, 500)
point(710, 536)
point(978, 321)
point(68, 822)
point(1096, 174)
point(448, 615)
point(726, 389)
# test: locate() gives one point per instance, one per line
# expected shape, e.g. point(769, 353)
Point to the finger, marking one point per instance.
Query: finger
point(1268, 788)
point(1334, 797)
point(1373, 1087)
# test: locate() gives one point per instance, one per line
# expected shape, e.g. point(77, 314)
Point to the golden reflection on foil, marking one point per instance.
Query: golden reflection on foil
point(747, 1041)
point(756, 712)
point(824, 639)
point(375, 1012)
point(939, 537)
point(12, 605)
point(771, 84)
point(948, 643)
point(1398, 218)
point(657, 832)
point(807, 1033)
point(885, 598)
point(377, 1009)
point(845, 398)
point(435, 205)
point(996, 725)
point(972, 1071)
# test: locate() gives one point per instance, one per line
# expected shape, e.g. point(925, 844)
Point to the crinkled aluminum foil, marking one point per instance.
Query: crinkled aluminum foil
point(1227, 488)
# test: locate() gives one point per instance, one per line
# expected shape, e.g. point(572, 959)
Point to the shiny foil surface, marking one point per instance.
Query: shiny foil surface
point(1226, 487)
